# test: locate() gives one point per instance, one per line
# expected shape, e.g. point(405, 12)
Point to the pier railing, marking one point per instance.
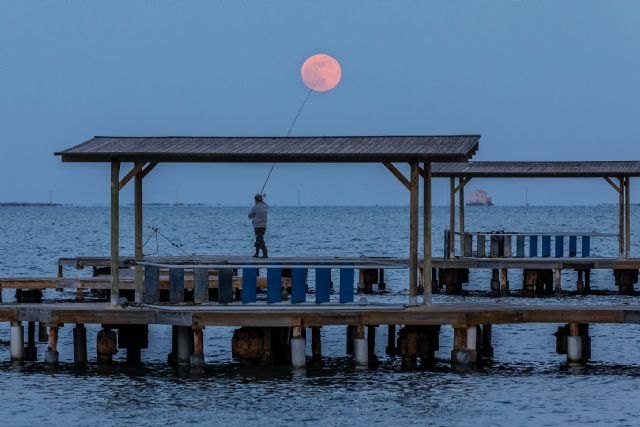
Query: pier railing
point(501, 244)
point(247, 274)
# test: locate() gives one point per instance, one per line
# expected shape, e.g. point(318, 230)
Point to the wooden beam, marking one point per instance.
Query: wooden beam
point(149, 168)
point(115, 231)
point(404, 181)
point(133, 172)
point(462, 183)
point(427, 263)
point(413, 235)
point(613, 184)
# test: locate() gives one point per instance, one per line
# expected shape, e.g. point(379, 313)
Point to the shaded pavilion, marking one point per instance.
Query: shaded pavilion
point(144, 153)
point(616, 173)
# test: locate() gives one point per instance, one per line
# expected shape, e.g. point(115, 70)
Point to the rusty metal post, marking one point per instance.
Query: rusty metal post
point(427, 261)
point(413, 235)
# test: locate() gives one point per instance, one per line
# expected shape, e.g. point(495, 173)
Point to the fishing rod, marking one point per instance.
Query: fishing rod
point(295, 119)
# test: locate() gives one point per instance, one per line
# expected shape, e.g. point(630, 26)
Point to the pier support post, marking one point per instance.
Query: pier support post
point(487, 345)
point(197, 358)
point(371, 348)
point(557, 281)
point(360, 347)
point(17, 341)
point(351, 331)
point(298, 344)
point(185, 345)
point(30, 352)
point(625, 279)
point(80, 344)
point(574, 345)
point(51, 355)
point(580, 282)
point(391, 341)
point(504, 282)
point(133, 338)
point(464, 352)
point(418, 342)
point(316, 347)
point(495, 281)
point(106, 345)
point(43, 335)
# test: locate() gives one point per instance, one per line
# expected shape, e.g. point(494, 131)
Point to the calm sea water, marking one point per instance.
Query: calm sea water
point(527, 383)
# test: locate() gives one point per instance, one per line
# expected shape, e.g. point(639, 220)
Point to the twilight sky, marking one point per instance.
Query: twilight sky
point(539, 79)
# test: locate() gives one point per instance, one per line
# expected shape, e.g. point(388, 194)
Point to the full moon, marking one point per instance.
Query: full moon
point(321, 72)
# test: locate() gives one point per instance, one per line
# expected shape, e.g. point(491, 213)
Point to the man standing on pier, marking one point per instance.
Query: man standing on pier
point(258, 216)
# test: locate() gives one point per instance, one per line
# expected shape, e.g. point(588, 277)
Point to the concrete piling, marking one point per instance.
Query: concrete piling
point(185, 345)
point(298, 344)
point(316, 347)
point(106, 345)
point(17, 341)
point(196, 361)
point(360, 347)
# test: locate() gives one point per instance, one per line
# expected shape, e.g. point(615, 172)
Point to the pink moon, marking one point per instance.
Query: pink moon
point(321, 72)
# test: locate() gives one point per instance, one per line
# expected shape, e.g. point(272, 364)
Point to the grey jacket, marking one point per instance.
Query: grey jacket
point(258, 214)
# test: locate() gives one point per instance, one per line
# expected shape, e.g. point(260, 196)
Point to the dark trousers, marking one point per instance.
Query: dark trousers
point(260, 244)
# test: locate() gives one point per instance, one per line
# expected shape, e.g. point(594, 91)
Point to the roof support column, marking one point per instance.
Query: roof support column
point(115, 232)
point(452, 217)
point(621, 225)
point(627, 201)
point(413, 234)
point(138, 233)
point(427, 263)
point(461, 184)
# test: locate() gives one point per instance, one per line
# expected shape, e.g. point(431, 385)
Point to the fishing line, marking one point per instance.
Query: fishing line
point(288, 133)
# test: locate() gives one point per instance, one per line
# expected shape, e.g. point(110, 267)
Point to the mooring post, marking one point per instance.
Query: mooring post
point(51, 355)
point(360, 348)
point(197, 358)
point(298, 356)
point(80, 344)
point(316, 347)
point(30, 352)
point(17, 341)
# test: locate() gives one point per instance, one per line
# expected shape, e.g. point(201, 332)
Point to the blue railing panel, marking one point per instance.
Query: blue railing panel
point(323, 284)
point(346, 285)
point(151, 284)
point(176, 285)
point(559, 246)
point(546, 246)
point(249, 285)
point(298, 285)
point(586, 246)
point(274, 285)
point(573, 246)
point(533, 246)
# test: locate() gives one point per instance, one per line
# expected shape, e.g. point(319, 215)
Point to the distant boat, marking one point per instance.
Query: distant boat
point(479, 198)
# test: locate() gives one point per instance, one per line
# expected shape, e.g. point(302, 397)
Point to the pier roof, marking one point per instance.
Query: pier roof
point(317, 149)
point(507, 169)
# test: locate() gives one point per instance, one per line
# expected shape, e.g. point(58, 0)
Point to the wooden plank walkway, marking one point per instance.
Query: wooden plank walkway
point(312, 315)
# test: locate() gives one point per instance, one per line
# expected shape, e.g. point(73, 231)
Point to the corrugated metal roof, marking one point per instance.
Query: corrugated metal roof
point(327, 149)
point(538, 169)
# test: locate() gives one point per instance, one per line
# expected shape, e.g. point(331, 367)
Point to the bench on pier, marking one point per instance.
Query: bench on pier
point(500, 244)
